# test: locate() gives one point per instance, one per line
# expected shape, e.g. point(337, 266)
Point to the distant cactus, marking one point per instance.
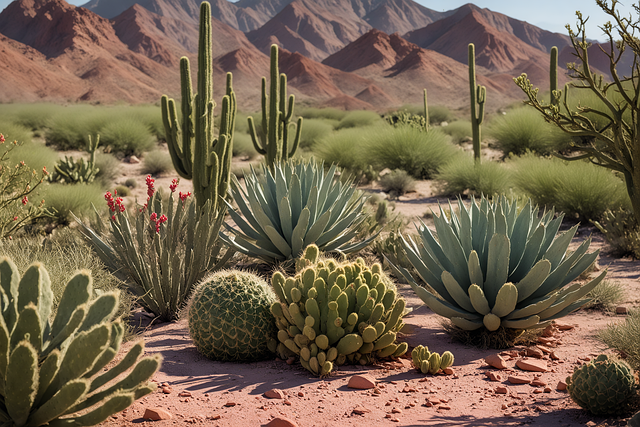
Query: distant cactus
point(553, 77)
point(71, 171)
point(426, 111)
point(273, 142)
point(478, 98)
point(58, 369)
point(429, 362)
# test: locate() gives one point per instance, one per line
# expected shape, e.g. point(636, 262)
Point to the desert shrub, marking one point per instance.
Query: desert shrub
point(109, 168)
point(313, 130)
point(243, 146)
point(70, 127)
point(458, 130)
point(156, 162)
point(487, 178)
point(358, 119)
point(397, 183)
point(13, 131)
point(241, 122)
point(128, 136)
point(321, 113)
point(524, 129)
point(131, 183)
point(150, 115)
point(439, 114)
point(31, 116)
point(421, 154)
point(605, 296)
point(345, 148)
point(621, 230)
point(68, 199)
point(579, 189)
point(122, 190)
point(624, 337)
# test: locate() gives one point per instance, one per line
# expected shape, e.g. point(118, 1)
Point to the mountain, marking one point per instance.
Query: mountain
point(402, 16)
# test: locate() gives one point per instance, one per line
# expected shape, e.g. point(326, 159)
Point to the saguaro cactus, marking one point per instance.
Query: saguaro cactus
point(209, 163)
point(553, 76)
point(478, 97)
point(273, 143)
point(426, 111)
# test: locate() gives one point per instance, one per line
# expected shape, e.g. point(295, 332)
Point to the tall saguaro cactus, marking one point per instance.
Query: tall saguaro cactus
point(273, 143)
point(553, 76)
point(196, 154)
point(426, 111)
point(478, 97)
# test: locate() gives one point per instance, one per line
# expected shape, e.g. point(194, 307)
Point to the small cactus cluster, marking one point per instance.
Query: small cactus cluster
point(229, 318)
point(331, 313)
point(71, 171)
point(429, 362)
point(602, 385)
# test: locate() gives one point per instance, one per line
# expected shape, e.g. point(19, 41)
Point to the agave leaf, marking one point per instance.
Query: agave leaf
point(425, 273)
point(466, 324)
point(552, 230)
point(497, 267)
point(445, 309)
point(524, 323)
point(571, 297)
point(519, 236)
point(556, 252)
point(284, 209)
point(476, 276)
point(534, 308)
point(464, 234)
point(452, 250)
point(457, 293)
point(532, 281)
point(530, 255)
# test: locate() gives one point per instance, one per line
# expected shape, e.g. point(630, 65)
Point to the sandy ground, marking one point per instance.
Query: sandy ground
point(204, 392)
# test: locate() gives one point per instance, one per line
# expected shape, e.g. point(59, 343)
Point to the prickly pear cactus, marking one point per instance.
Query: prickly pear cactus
point(331, 313)
point(429, 362)
point(229, 317)
point(602, 385)
point(54, 373)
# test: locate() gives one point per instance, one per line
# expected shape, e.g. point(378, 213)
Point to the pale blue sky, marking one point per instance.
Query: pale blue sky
point(550, 15)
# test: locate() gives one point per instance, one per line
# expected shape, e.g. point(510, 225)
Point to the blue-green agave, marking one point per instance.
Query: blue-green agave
point(494, 266)
point(284, 211)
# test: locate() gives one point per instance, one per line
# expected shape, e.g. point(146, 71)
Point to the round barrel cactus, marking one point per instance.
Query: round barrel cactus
point(602, 385)
point(230, 318)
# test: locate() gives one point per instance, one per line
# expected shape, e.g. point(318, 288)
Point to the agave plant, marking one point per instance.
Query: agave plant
point(283, 212)
point(493, 267)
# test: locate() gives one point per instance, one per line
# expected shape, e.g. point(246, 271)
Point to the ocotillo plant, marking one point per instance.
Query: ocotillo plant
point(273, 143)
point(553, 76)
point(426, 112)
point(209, 164)
point(478, 97)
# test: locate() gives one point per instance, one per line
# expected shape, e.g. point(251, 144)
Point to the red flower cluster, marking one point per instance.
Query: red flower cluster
point(25, 200)
point(183, 196)
point(1, 138)
point(174, 184)
point(150, 187)
point(158, 221)
point(115, 205)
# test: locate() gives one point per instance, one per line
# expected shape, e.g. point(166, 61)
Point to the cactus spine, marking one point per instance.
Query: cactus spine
point(553, 76)
point(273, 143)
point(209, 164)
point(478, 97)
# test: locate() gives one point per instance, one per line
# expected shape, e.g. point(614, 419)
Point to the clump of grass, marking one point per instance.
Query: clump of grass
point(128, 136)
point(76, 199)
point(32, 116)
point(313, 130)
point(606, 296)
point(243, 146)
point(487, 178)
point(439, 114)
point(625, 338)
point(156, 162)
point(122, 190)
point(150, 115)
point(458, 130)
point(15, 132)
point(131, 183)
point(397, 183)
point(345, 148)
point(579, 189)
point(358, 119)
point(621, 230)
point(321, 113)
point(421, 154)
point(523, 129)
point(109, 168)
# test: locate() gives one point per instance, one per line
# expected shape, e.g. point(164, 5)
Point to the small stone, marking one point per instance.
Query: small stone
point(543, 349)
point(536, 391)
point(291, 360)
point(281, 422)
point(538, 383)
point(396, 411)
point(554, 356)
point(446, 407)
point(504, 406)
point(230, 404)
point(156, 414)
point(300, 394)
point(551, 342)
point(501, 390)
point(549, 331)
point(134, 160)
point(564, 326)
point(562, 386)
point(274, 393)
point(518, 379)
point(166, 390)
point(184, 394)
point(621, 310)
point(534, 352)
point(214, 417)
point(427, 404)
point(493, 376)
point(547, 389)
point(448, 371)
point(496, 361)
point(591, 424)
point(361, 410)
point(408, 389)
point(361, 382)
point(532, 365)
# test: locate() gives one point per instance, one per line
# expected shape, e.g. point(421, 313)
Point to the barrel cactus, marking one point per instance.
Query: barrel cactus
point(54, 373)
point(429, 362)
point(229, 317)
point(495, 266)
point(602, 385)
point(331, 313)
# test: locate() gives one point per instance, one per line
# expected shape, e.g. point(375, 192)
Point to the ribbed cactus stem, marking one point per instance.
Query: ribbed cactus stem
point(426, 111)
point(553, 76)
point(209, 164)
point(478, 97)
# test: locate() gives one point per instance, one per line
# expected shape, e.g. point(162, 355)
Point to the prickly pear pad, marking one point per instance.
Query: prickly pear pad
point(229, 317)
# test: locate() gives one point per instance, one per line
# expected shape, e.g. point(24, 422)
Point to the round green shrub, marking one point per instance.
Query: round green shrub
point(230, 318)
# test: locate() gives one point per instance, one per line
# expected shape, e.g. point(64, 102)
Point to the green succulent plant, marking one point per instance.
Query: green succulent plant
point(54, 373)
point(429, 362)
point(602, 385)
point(296, 205)
point(230, 319)
point(493, 265)
point(71, 171)
point(331, 313)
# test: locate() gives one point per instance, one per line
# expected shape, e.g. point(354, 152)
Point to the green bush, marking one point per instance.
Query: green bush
point(397, 183)
point(33, 116)
point(14, 131)
point(243, 146)
point(524, 129)
point(421, 154)
point(128, 136)
point(358, 119)
point(458, 130)
point(109, 168)
point(156, 162)
point(624, 337)
point(321, 113)
point(487, 178)
point(313, 130)
point(605, 296)
point(68, 199)
point(621, 230)
point(579, 189)
point(122, 190)
point(131, 183)
point(150, 115)
point(439, 114)
point(70, 127)
point(346, 149)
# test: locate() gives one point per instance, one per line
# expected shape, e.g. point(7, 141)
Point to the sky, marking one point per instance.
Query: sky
point(550, 15)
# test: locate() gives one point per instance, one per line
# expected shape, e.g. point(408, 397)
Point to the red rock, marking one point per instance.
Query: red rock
point(554, 356)
point(538, 383)
point(291, 360)
point(564, 326)
point(501, 390)
point(549, 331)
point(361, 382)
point(287, 402)
point(274, 393)
point(561, 386)
point(517, 379)
point(408, 389)
point(536, 391)
point(444, 407)
point(300, 394)
point(281, 422)
point(496, 361)
point(396, 411)
point(230, 404)
point(428, 404)
point(534, 352)
point(156, 414)
point(504, 406)
point(448, 371)
point(493, 376)
point(543, 349)
point(360, 410)
point(533, 365)
point(547, 389)
point(621, 310)
point(214, 417)
point(166, 390)
point(184, 394)
point(551, 342)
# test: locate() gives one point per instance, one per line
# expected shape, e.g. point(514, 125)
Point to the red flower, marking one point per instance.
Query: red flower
point(25, 200)
point(150, 186)
point(183, 196)
point(174, 184)
point(44, 170)
point(1, 138)
point(15, 218)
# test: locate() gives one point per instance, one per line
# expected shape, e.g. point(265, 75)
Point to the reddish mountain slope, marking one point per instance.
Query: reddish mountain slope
point(402, 16)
